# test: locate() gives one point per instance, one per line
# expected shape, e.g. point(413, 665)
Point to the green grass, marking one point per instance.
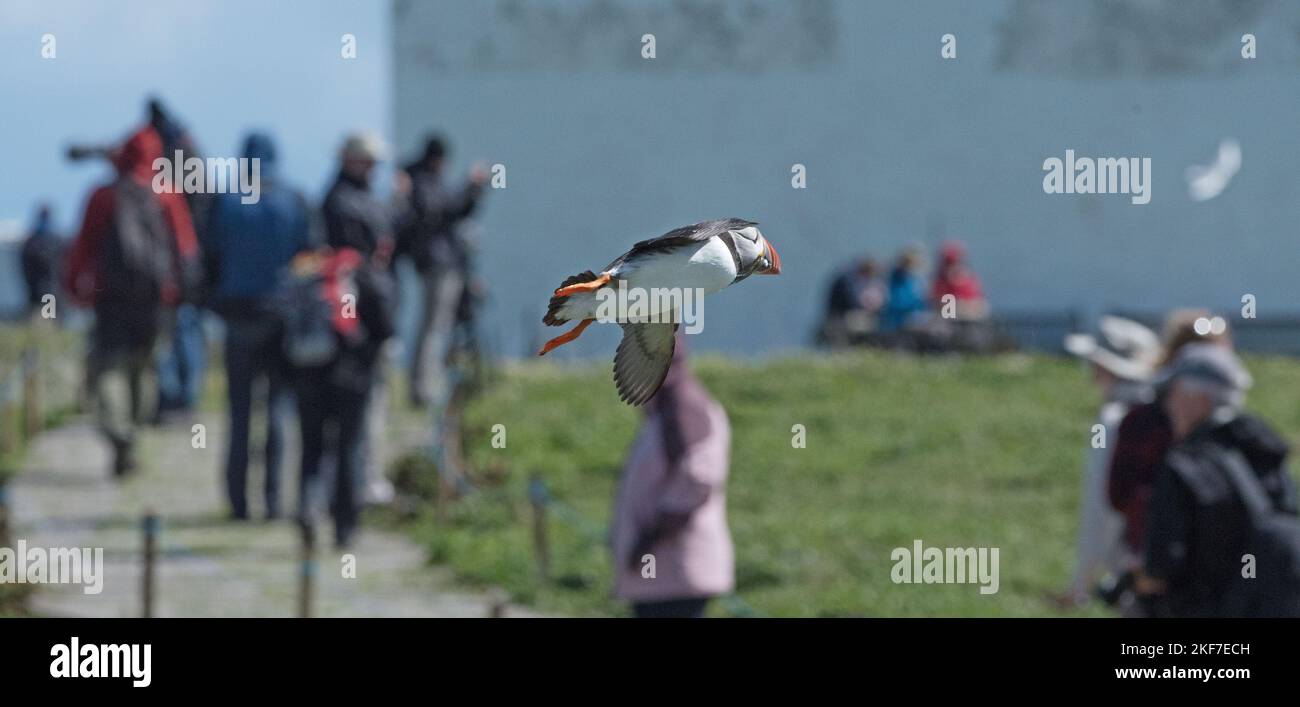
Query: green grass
point(960, 452)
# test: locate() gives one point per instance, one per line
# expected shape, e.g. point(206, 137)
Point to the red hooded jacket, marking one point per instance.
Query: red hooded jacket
point(134, 160)
point(954, 277)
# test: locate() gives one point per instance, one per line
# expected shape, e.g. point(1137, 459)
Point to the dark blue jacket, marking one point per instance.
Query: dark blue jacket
point(247, 245)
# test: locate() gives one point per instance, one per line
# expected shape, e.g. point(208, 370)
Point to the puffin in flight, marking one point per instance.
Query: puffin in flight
point(707, 256)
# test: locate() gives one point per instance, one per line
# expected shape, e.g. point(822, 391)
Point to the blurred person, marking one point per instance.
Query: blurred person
point(182, 364)
point(128, 263)
point(247, 247)
point(1140, 445)
point(175, 136)
point(333, 392)
point(355, 218)
point(429, 237)
point(955, 277)
point(905, 299)
point(1223, 494)
point(1122, 362)
point(671, 503)
point(853, 304)
point(41, 253)
point(1144, 434)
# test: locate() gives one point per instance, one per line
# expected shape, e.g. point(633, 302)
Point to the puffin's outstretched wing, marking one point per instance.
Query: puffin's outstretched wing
point(642, 361)
point(695, 233)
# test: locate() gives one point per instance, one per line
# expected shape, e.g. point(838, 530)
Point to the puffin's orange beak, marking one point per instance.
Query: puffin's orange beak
point(773, 258)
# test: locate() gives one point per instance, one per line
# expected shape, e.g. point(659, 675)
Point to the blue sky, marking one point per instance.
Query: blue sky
point(222, 67)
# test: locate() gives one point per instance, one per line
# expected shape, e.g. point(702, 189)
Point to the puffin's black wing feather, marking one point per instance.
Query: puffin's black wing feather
point(642, 361)
point(695, 233)
point(552, 317)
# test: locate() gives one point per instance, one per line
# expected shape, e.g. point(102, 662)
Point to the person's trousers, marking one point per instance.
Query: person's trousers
point(117, 378)
point(375, 427)
point(442, 289)
point(183, 364)
point(252, 360)
point(332, 420)
point(671, 608)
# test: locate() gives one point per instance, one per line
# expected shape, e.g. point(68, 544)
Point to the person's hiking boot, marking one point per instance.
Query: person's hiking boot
point(123, 458)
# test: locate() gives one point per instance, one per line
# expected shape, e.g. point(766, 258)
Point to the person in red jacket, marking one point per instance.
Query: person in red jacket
point(133, 160)
point(128, 263)
point(954, 277)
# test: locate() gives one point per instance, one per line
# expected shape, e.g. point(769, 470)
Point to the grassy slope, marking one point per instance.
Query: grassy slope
point(955, 452)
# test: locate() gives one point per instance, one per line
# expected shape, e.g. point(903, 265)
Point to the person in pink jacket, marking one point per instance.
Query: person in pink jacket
point(671, 547)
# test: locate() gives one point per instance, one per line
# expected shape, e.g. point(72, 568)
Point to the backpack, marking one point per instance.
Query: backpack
point(137, 260)
point(317, 304)
point(1273, 537)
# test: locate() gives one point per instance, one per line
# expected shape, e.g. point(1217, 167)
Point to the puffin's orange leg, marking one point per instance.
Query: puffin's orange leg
point(583, 286)
point(566, 337)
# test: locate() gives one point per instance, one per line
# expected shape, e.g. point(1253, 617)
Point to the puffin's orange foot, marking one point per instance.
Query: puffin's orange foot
point(566, 337)
point(583, 286)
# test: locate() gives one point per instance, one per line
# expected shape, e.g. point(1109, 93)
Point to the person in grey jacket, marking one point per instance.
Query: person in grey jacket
point(428, 236)
point(355, 218)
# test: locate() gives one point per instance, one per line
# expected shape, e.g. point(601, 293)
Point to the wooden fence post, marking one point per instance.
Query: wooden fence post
point(498, 602)
point(4, 516)
point(307, 571)
point(9, 432)
point(541, 547)
point(150, 552)
point(32, 418)
point(442, 505)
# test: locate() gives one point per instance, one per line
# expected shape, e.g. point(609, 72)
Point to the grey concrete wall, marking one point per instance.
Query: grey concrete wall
point(603, 147)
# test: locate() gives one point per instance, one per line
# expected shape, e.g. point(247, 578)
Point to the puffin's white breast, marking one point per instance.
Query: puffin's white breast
point(708, 266)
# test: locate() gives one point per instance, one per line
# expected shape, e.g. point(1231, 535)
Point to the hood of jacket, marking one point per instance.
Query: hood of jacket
point(136, 156)
point(260, 146)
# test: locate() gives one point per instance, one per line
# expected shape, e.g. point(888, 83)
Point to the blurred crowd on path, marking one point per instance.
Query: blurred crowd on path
point(306, 293)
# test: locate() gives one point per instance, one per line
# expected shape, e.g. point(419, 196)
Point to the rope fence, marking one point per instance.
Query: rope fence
point(546, 506)
point(22, 417)
point(21, 414)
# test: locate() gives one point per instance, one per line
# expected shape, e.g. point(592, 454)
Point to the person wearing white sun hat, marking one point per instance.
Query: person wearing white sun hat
point(1123, 358)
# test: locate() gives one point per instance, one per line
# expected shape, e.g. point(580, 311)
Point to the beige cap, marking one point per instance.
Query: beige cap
point(364, 146)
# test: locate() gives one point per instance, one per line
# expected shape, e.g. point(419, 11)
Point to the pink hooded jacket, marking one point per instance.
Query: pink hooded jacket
point(677, 466)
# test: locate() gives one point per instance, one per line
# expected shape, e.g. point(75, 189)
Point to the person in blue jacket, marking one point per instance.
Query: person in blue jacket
point(247, 246)
point(906, 292)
